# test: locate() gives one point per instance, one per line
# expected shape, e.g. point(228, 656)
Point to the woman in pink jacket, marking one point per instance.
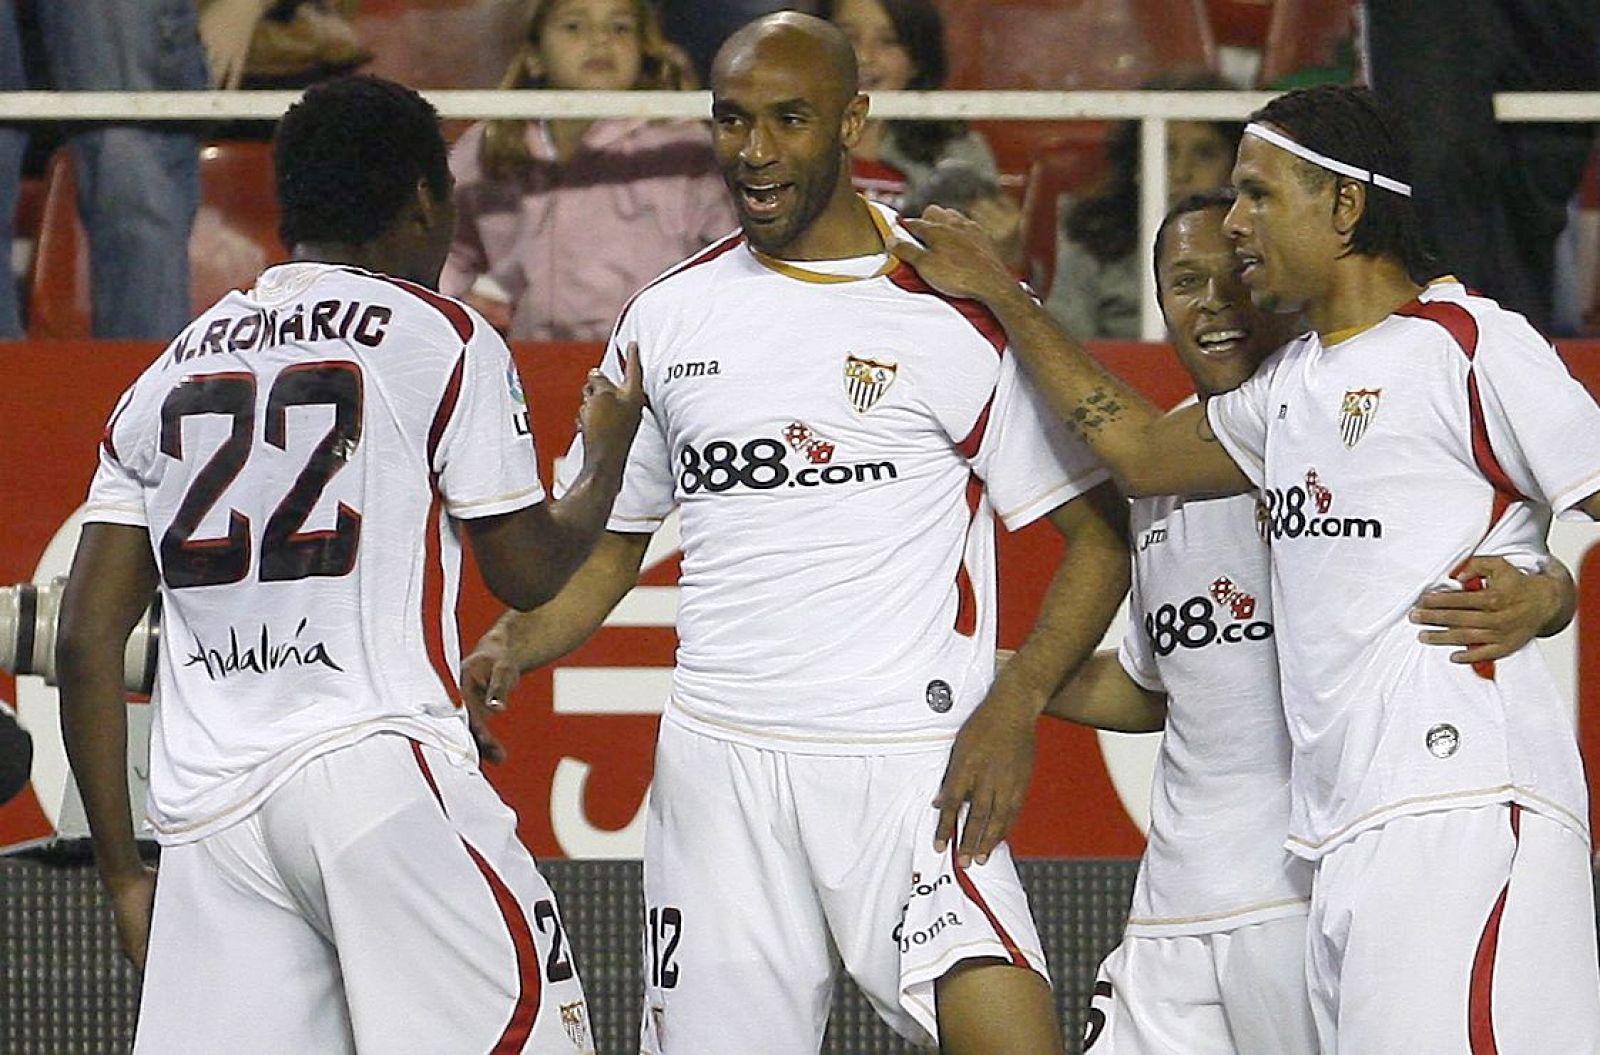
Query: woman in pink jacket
point(562, 221)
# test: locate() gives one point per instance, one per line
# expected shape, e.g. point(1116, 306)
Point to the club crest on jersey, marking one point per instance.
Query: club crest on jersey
point(575, 1020)
point(1360, 406)
point(866, 380)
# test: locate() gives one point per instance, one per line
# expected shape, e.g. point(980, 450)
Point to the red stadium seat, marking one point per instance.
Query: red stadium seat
point(1304, 34)
point(1240, 23)
point(1069, 164)
point(235, 236)
point(1066, 45)
point(440, 43)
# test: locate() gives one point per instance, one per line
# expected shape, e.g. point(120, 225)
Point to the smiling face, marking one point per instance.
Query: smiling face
point(1221, 336)
point(590, 44)
point(885, 61)
point(1283, 226)
point(782, 123)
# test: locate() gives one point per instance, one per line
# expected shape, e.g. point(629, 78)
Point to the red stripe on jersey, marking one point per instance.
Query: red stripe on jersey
point(969, 888)
point(108, 439)
point(450, 309)
point(1480, 989)
point(445, 410)
point(974, 439)
point(705, 256)
point(525, 1008)
point(433, 613)
point(966, 596)
point(981, 318)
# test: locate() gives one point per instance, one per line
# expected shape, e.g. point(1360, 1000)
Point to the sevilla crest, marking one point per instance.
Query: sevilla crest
point(866, 380)
point(1360, 406)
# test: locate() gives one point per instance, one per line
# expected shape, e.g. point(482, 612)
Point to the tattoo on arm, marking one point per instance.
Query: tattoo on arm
point(1099, 409)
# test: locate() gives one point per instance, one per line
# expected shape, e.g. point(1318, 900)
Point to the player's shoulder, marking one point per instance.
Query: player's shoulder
point(689, 284)
point(1471, 322)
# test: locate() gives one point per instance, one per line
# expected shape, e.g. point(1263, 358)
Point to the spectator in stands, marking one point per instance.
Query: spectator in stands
point(974, 191)
point(1492, 197)
point(562, 221)
point(1098, 260)
point(138, 184)
point(900, 47)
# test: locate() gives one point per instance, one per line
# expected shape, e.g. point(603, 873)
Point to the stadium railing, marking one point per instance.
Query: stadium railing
point(1151, 108)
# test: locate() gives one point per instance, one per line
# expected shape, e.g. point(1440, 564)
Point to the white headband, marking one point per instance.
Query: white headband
point(1278, 139)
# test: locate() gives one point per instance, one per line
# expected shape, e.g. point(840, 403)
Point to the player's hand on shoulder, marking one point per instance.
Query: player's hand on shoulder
point(133, 899)
point(487, 677)
point(955, 256)
point(610, 412)
point(1499, 609)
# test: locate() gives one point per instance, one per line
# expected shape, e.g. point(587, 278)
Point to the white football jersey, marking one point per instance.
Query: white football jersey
point(292, 454)
point(1386, 459)
point(1200, 629)
point(838, 440)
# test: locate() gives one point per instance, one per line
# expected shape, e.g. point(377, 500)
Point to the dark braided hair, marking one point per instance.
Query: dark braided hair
point(348, 156)
point(1348, 124)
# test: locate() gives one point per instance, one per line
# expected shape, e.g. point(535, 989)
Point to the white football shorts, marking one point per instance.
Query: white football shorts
point(1232, 992)
point(379, 901)
point(1462, 931)
point(766, 871)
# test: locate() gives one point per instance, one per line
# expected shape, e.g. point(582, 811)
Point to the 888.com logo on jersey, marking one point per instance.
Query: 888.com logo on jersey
point(762, 464)
point(1224, 615)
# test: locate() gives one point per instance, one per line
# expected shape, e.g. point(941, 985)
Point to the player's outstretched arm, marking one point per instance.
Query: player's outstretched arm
point(108, 589)
point(526, 557)
point(1101, 695)
point(520, 641)
point(1500, 609)
point(1151, 453)
point(991, 760)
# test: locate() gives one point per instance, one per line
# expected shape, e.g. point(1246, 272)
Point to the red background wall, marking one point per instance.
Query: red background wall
point(58, 394)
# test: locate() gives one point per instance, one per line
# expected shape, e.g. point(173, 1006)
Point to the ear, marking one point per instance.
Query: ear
point(424, 207)
point(1349, 205)
point(854, 120)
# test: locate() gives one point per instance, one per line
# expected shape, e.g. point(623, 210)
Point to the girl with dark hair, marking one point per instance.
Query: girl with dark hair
point(562, 220)
point(900, 47)
point(1096, 288)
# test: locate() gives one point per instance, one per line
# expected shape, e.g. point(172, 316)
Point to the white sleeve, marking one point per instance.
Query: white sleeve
point(485, 459)
point(648, 484)
point(1239, 419)
point(116, 494)
point(1543, 425)
point(1135, 654)
point(1027, 460)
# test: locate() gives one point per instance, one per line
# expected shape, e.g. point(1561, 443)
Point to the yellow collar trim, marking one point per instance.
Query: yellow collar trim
point(792, 269)
point(1355, 331)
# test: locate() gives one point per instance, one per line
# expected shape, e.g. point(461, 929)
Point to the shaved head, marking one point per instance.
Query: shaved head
point(796, 41)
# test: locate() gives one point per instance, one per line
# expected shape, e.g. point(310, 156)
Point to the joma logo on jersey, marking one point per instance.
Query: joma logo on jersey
point(866, 380)
point(707, 368)
point(1356, 411)
point(1195, 623)
point(1301, 512)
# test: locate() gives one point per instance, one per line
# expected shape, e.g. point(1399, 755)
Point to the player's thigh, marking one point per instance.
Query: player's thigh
point(1545, 983)
point(449, 938)
point(1155, 996)
point(1401, 913)
point(233, 965)
point(737, 953)
point(1261, 972)
point(903, 915)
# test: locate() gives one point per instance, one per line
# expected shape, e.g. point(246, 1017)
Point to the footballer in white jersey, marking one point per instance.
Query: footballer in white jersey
point(295, 472)
point(1416, 426)
point(837, 438)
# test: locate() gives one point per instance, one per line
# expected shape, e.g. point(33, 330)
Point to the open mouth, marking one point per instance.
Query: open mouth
point(1222, 342)
point(764, 200)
